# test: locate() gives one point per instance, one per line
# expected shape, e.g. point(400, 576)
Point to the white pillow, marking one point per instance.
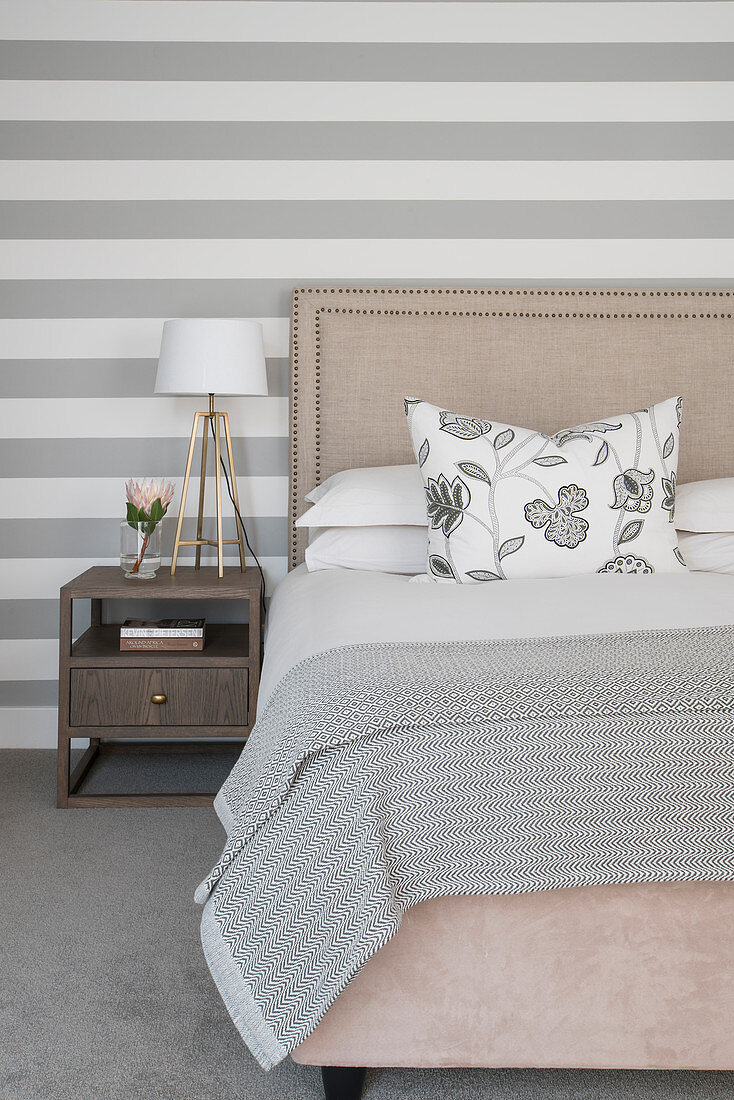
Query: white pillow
point(705, 505)
point(376, 496)
point(709, 552)
point(507, 503)
point(381, 549)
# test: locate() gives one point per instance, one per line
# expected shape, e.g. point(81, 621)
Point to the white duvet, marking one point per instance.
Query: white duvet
point(313, 612)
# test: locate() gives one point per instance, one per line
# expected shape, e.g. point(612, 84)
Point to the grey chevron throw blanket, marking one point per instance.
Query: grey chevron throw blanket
point(382, 775)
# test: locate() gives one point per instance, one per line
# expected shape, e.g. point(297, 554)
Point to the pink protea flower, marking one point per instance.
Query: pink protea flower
point(142, 494)
point(147, 504)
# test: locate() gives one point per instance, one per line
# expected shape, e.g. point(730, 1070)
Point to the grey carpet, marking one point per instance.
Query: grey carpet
point(136, 773)
point(104, 994)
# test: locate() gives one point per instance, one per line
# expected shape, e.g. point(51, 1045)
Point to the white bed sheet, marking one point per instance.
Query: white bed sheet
point(313, 612)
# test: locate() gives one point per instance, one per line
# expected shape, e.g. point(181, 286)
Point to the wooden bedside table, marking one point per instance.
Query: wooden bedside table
point(104, 693)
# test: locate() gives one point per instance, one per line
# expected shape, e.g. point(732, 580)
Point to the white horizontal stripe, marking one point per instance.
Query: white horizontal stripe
point(363, 101)
point(41, 578)
point(134, 417)
point(85, 497)
point(338, 260)
point(572, 180)
point(212, 21)
point(29, 659)
point(31, 728)
point(106, 337)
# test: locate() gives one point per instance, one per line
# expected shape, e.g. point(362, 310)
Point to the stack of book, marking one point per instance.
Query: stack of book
point(162, 634)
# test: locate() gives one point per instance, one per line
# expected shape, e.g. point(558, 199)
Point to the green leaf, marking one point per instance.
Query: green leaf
point(132, 514)
point(156, 511)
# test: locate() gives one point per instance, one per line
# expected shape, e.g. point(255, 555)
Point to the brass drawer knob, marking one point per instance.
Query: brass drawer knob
point(158, 699)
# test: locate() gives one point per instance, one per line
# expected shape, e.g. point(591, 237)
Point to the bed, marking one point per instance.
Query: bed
point(631, 968)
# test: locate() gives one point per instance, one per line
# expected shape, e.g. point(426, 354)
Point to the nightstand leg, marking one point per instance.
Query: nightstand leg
point(88, 758)
point(63, 768)
point(63, 752)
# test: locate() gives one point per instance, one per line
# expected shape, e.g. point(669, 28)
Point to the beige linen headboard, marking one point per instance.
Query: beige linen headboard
point(542, 358)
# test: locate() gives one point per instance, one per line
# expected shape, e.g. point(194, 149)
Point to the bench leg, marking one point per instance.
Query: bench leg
point(342, 1082)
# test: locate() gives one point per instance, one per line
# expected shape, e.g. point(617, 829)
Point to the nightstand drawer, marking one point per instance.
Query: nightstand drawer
point(159, 697)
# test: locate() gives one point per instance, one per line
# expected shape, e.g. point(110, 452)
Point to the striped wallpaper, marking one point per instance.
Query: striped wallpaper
point(167, 158)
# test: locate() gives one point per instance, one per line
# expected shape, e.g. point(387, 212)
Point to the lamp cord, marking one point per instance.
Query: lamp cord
point(242, 524)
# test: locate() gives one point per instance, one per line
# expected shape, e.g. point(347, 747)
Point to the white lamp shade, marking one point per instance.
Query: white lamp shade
point(223, 355)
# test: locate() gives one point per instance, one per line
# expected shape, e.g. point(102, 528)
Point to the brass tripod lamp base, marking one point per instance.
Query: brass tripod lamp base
point(219, 421)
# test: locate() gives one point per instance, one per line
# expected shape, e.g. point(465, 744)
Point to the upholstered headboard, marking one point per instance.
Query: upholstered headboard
point(545, 358)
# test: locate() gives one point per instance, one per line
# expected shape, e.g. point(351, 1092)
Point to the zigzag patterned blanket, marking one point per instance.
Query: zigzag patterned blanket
point(382, 775)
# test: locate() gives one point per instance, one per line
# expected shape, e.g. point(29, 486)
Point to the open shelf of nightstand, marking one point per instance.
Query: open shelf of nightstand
point(225, 644)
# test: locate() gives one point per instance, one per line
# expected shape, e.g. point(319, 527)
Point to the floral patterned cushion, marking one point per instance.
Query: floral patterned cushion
point(506, 503)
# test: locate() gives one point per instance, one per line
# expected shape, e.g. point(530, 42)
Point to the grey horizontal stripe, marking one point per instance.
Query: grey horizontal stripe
point(25, 298)
point(100, 377)
point(73, 538)
point(255, 457)
point(324, 220)
point(29, 618)
point(29, 693)
point(145, 297)
point(435, 61)
point(366, 140)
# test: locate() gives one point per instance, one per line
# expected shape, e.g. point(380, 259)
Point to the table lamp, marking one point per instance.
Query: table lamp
point(211, 356)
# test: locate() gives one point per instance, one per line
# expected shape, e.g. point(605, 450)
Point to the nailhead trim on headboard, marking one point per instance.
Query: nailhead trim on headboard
point(524, 292)
point(294, 427)
point(571, 292)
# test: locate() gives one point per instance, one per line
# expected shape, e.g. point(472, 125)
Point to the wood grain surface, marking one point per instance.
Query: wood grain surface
point(123, 697)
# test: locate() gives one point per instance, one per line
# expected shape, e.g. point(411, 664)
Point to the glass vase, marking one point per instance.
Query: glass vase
point(140, 549)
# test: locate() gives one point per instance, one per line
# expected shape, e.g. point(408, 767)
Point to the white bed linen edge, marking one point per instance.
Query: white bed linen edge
point(313, 612)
